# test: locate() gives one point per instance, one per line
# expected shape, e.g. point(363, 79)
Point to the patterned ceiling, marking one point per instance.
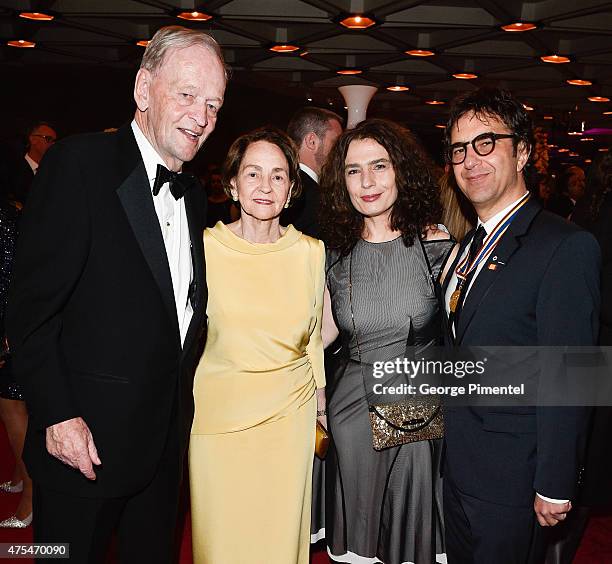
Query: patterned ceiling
point(466, 37)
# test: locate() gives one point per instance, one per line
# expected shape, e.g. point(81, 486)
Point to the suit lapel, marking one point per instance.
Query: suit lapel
point(496, 264)
point(196, 223)
point(135, 196)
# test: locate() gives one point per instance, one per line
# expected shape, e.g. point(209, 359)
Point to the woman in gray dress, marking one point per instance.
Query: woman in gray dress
point(379, 201)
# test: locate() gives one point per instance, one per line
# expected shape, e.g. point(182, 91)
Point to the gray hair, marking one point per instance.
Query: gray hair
point(178, 37)
point(310, 118)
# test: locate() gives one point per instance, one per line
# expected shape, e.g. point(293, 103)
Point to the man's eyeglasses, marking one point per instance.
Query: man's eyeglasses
point(48, 138)
point(483, 145)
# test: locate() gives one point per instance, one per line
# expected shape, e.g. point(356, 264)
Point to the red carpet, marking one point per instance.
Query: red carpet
point(596, 545)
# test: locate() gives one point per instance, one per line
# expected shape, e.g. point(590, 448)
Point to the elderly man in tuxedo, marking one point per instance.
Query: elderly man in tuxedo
point(539, 286)
point(107, 311)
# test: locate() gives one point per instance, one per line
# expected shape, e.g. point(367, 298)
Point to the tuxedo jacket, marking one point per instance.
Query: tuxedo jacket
point(303, 214)
point(92, 320)
point(543, 291)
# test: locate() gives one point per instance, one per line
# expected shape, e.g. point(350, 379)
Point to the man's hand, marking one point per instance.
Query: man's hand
point(72, 443)
point(549, 513)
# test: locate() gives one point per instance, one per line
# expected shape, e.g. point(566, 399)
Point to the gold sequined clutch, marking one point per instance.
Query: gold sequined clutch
point(406, 422)
point(321, 441)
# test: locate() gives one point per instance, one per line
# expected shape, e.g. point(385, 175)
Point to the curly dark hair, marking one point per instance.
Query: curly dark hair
point(417, 204)
point(494, 103)
point(272, 135)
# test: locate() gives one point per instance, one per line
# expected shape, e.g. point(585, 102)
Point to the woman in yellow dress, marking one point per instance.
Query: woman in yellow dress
point(252, 440)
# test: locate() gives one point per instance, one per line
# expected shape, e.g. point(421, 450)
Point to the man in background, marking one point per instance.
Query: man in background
point(314, 131)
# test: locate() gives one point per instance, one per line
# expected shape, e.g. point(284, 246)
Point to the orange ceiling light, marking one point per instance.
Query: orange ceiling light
point(548, 117)
point(420, 53)
point(398, 88)
point(22, 43)
point(349, 72)
point(284, 48)
point(37, 16)
point(552, 146)
point(440, 126)
point(435, 102)
point(519, 26)
point(603, 149)
point(609, 113)
point(574, 133)
point(588, 161)
point(579, 82)
point(563, 150)
point(194, 16)
point(528, 108)
point(465, 76)
point(357, 21)
point(142, 43)
point(303, 53)
point(573, 154)
point(587, 139)
point(598, 99)
point(555, 59)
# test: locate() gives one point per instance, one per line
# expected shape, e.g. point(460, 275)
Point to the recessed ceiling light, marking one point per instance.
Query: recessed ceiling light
point(303, 53)
point(552, 146)
point(349, 71)
point(194, 16)
point(579, 82)
point(357, 21)
point(563, 150)
point(573, 154)
point(284, 48)
point(142, 42)
point(598, 99)
point(603, 149)
point(519, 26)
point(38, 16)
point(398, 88)
point(440, 126)
point(420, 53)
point(609, 113)
point(556, 59)
point(588, 161)
point(465, 75)
point(21, 43)
point(435, 102)
point(574, 133)
point(528, 108)
point(549, 117)
point(587, 139)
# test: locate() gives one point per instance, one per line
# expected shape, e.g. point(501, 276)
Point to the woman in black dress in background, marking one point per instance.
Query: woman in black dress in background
point(379, 198)
point(12, 407)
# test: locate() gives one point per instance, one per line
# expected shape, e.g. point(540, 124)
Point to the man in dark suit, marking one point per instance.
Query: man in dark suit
point(107, 311)
point(538, 286)
point(41, 137)
point(314, 131)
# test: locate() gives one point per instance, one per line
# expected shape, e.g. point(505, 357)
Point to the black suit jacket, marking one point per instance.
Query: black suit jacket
point(21, 180)
point(544, 291)
point(92, 321)
point(303, 214)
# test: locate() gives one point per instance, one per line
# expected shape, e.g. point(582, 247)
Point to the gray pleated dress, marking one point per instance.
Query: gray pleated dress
point(381, 506)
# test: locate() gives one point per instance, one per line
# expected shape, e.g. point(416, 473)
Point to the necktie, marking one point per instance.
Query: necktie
point(179, 182)
point(475, 245)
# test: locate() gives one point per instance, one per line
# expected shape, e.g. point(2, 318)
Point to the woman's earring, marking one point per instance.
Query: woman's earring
point(235, 197)
point(288, 200)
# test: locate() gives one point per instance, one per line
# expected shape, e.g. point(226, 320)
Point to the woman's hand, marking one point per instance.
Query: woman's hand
point(321, 407)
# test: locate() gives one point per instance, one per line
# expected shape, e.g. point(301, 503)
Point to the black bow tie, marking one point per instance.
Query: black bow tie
point(179, 182)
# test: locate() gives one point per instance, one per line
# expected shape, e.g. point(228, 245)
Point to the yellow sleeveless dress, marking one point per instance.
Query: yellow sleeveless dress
point(252, 440)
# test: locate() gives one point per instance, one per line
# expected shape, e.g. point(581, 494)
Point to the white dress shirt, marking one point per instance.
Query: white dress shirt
point(33, 164)
point(310, 172)
point(488, 227)
point(172, 219)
